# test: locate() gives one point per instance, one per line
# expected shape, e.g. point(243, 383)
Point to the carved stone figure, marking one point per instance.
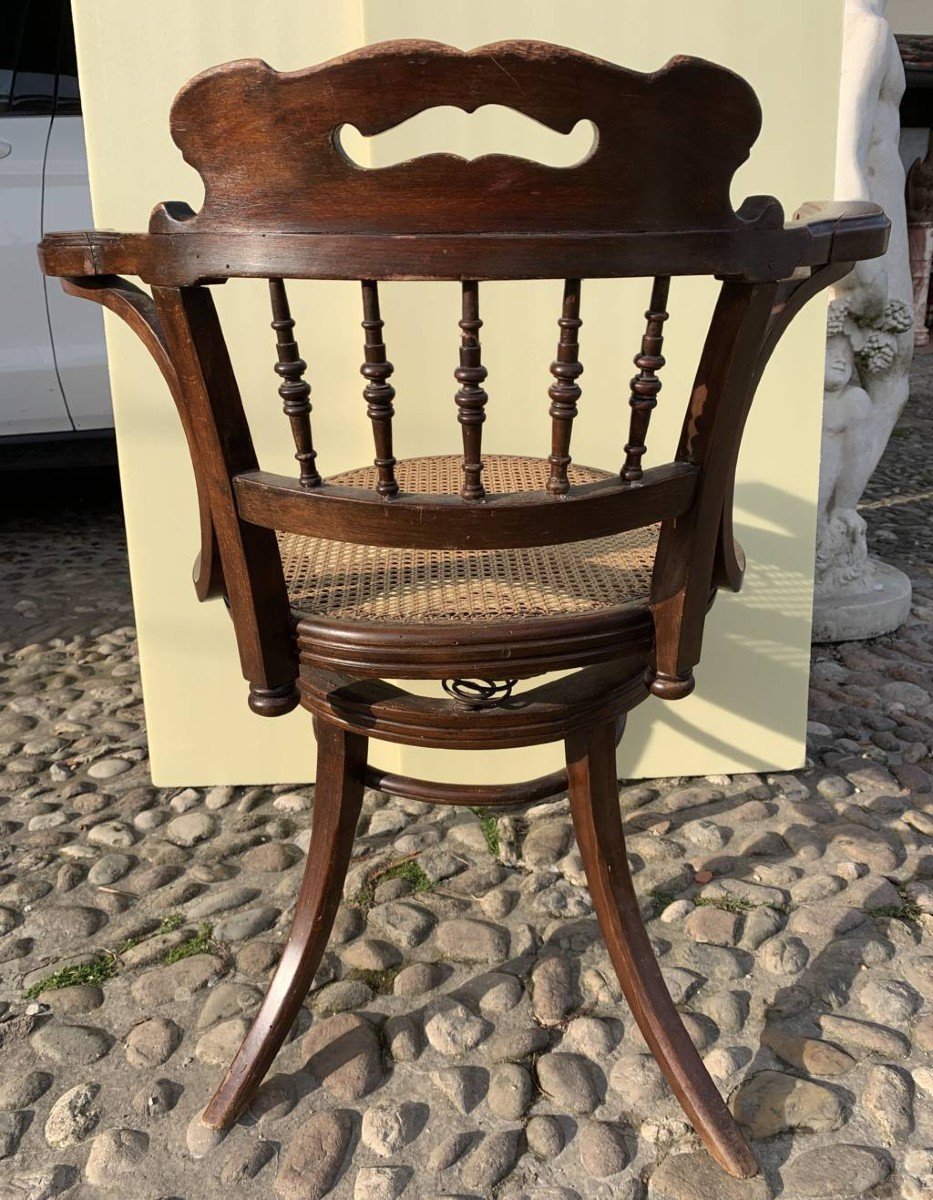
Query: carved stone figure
point(870, 345)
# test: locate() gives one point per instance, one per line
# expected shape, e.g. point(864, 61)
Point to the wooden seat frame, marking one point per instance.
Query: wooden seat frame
point(650, 199)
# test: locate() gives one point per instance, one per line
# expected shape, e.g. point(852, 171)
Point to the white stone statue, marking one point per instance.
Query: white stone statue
point(870, 343)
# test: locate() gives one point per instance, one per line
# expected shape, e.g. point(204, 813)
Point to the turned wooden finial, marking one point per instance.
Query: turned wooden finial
point(471, 398)
point(565, 391)
point(646, 385)
point(294, 388)
point(378, 392)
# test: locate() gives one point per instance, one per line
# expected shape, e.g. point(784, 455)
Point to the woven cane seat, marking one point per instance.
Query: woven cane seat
point(342, 581)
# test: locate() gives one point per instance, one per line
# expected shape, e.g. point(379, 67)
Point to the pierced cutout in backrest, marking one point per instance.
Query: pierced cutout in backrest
point(266, 144)
point(490, 129)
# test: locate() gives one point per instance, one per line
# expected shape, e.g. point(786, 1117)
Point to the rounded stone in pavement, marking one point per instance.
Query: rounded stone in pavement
point(200, 1138)
point(472, 941)
point(312, 1160)
point(381, 1183)
point(190, 829)
point(602, 1149)
point(835, 1171)
point(67, 921)
point(417, 979)
point(108, 768)
point(570, 1082)
point(79, 998)
point(454, 1029)
point(773, 1102)
point(552, 994)
point(21, 1091)
point(510, 1091)
point(228, 1000)
point(114, 1155)
point(388, 1127)
point(696, 1177)
point(371, 954)
point(490, 1162)
point(404, 923)
point(545, 1137)
point(807, 1054)
point(638, 1078)
point(151, 1042)
point(109, 869)
point(344, 1054)
point(245, 1163)
point(784, 955)
point(217, 1047)
point(177, 982)
point(115, 834)
point(888, 1096)
point(73, 1116)
point(271, 857)
point(72, 1044)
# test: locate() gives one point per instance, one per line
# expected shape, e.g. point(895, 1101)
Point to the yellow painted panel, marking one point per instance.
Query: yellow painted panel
point(749, 709)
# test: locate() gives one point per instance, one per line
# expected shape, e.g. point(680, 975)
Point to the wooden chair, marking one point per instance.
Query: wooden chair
point(477, 571)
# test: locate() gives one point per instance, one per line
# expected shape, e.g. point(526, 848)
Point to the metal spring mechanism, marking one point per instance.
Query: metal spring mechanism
point(479, 693)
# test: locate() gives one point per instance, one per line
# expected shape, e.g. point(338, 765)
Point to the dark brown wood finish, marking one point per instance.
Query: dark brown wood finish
point(471, 397)
point(378, 393)
point(646, 385)
point(436, 522)
point(565, 391)
point(248, 554)
point(594, 804)
point(338, 798)
point(294, 389)
point(636, 205)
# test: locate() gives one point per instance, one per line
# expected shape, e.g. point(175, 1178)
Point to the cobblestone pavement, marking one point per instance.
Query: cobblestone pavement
point(465, 1036)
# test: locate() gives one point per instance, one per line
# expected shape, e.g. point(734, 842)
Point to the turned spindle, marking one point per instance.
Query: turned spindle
point(565, 391)
point(378, 392)
point(471, 398)
point(294, 388)
point(646, 385)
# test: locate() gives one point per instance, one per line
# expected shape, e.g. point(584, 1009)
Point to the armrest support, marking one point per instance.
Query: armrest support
point(78, 259)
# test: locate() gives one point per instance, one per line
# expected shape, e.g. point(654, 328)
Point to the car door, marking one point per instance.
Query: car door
point(77, 329)
point(31, 400)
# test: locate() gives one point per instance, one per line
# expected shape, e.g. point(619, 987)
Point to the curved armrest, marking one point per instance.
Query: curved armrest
point(86, 253)
point(843, 230)
point(85, 262)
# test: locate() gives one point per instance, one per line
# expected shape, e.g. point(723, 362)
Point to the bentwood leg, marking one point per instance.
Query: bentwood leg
point(594, 801)
point(338, 797)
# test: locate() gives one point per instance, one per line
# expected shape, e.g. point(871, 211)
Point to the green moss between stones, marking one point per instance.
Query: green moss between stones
point(201, 943)
point(97, 971)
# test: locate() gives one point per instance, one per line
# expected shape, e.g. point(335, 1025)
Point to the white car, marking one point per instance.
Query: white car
point(53, 364)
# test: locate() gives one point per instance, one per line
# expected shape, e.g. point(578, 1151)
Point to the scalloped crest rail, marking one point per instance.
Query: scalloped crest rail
point(503, 567)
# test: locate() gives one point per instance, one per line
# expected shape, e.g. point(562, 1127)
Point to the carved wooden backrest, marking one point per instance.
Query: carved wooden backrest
point(267, 144)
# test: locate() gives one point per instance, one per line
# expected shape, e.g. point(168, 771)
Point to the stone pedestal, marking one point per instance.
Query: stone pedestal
point(920, 238)
point(847, 617)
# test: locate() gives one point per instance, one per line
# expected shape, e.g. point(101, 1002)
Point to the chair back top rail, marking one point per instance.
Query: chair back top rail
point(666, 145)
